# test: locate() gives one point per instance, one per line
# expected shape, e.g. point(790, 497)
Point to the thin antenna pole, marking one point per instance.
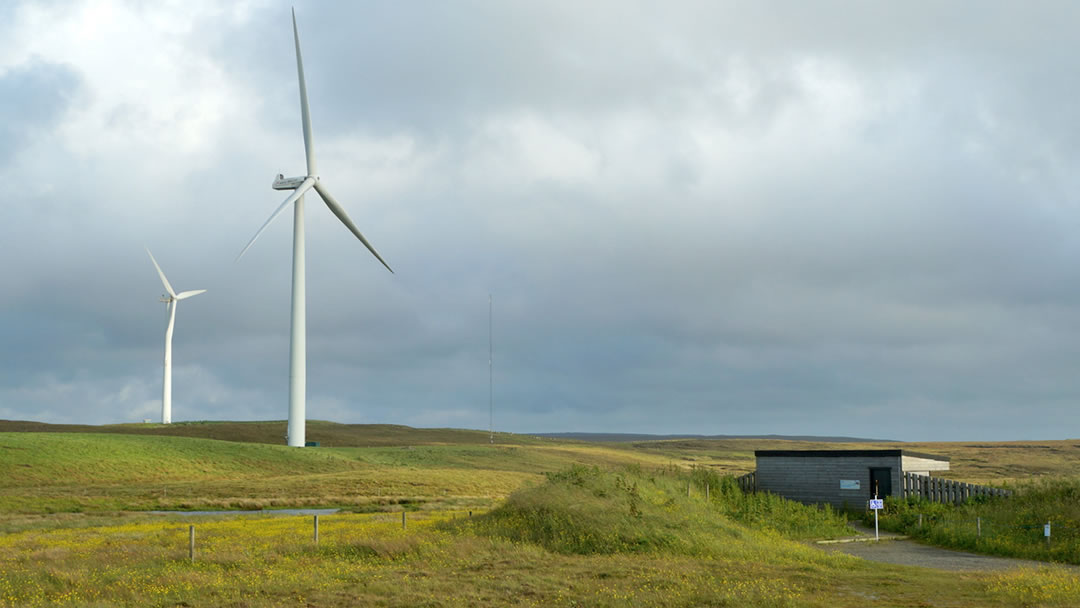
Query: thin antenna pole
point(491, 377)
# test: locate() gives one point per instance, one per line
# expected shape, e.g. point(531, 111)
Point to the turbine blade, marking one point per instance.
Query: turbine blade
point(339, 211)
point(304, 187)
point(183, 295)
point(309, 147)
point(164, 281)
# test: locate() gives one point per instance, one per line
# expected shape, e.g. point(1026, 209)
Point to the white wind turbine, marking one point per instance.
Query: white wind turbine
point(299, 186)
point(170, 299)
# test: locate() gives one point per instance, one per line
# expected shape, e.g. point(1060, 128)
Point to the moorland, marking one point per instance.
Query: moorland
point(522, 520)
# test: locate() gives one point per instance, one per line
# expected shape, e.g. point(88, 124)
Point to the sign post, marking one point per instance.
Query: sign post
point(876, 504)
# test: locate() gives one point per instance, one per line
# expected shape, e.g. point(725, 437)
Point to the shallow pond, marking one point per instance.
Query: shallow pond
point(255, 512)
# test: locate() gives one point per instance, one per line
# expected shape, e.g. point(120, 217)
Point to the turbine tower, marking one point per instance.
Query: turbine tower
point(170, 299)
point(299, 186)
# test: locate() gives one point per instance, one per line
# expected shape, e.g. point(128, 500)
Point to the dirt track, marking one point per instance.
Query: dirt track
point(911, 553)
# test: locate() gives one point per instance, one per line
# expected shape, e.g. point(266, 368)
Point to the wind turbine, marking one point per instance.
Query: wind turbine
point(170, 299)
point(299, 186)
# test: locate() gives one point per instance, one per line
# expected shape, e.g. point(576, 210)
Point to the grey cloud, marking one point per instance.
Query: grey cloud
point(33, 98)
point(715, 217)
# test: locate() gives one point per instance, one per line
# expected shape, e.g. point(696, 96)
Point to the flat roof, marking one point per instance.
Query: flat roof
point(844, 454)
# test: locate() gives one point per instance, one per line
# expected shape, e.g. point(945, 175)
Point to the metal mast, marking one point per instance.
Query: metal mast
point(491, 378)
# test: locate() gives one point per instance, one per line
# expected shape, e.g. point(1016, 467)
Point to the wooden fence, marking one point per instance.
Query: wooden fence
point(938, 489)
point(748, 482)
point(934, 489)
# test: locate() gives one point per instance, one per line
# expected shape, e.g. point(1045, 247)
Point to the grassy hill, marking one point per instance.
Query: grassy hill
point(100, 471)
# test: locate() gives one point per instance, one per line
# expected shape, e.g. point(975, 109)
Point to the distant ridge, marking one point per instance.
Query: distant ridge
point(647, 437)
point(328, 434)
point(333, 434)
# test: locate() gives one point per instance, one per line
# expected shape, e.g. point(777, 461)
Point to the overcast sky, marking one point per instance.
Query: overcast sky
point(850, 218)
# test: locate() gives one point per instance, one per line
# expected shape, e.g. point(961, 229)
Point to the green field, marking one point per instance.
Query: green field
point(53, 472)
point(555, 523)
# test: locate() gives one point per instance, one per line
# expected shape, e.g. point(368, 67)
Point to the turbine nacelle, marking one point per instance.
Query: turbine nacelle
point(288, 183)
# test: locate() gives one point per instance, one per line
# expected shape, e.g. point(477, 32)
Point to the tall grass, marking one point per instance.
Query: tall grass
point(999, 526)
point(587, 510)
point(769, 511)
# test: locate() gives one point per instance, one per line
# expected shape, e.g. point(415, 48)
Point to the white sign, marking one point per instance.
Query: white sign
point(1046, 530)
point(877, 503)
point(850, 484)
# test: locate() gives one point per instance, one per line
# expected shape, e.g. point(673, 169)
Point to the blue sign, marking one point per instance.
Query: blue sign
point(877, 503)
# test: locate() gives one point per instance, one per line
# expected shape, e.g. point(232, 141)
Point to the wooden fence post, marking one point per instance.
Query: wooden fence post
point(191, 543)
point(316, 530)
point(941, 490)
point(402, 519)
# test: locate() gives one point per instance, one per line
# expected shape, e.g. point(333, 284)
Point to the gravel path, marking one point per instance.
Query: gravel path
point(911, 553)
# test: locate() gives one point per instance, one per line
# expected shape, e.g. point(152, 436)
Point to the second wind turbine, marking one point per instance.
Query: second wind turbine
point(170, 299)
point(299, 186)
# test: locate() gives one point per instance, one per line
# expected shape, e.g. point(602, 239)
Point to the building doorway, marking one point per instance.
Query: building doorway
point(880, 482)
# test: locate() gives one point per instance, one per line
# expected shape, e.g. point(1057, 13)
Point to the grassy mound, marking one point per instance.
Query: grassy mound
point(588, 510)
